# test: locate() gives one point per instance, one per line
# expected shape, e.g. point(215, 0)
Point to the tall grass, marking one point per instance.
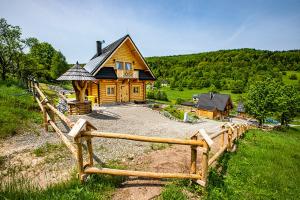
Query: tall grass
point(97, 187)
point(266, 166)
point(18, 109)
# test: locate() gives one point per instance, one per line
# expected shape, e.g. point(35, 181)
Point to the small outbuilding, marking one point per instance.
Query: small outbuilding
point(80, 78)
point(214, 106)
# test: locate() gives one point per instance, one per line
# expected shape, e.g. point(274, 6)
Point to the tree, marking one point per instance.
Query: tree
point(10, 45)
point(288, 104)
point(262, 99)
point(43, 54)
point(59, 65)
point(213, 89)
point(237, 87)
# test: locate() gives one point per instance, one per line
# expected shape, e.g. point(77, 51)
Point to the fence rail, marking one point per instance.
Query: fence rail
point(83, 131)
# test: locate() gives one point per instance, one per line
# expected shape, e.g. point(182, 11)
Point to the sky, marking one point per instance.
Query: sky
point(158, 27)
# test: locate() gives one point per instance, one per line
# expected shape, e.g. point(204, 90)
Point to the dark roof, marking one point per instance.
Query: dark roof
point(145, 75)
point(212, 101)
point(96, 61)
point(76, 73)
point(106, 73)
point(240, 107)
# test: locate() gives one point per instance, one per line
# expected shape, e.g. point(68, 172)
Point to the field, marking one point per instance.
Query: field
point(187, 94)
point(18, 109)
point(265, 166)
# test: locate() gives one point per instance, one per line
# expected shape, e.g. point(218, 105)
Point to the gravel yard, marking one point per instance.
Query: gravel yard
point(138, 120)
point(16, 152)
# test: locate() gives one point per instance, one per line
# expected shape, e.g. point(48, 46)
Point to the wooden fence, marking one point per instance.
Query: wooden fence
point(83, 131)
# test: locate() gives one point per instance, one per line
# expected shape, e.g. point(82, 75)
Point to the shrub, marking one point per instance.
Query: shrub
point(179, 101)
point(293, 77)
point(180, 88)
point(178, 114)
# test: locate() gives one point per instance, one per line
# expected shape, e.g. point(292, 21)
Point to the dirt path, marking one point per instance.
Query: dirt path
point(175, 159)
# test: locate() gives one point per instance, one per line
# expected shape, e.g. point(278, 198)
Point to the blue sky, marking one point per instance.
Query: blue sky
point(158, 27)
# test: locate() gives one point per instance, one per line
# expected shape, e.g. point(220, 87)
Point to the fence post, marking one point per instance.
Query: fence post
point(45, 117)
point(90, 147)
point(222, 137)
point(229, 139)
point(205, 156)
point(79, 158)
point(193, 169)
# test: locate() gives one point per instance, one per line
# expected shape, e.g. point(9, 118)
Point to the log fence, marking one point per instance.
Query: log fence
point(83, 131)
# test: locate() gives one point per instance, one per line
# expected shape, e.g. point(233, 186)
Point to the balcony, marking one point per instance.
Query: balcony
point(127, 74)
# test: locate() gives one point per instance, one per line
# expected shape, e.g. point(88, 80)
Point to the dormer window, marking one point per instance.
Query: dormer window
point(119, 65)
point(128, 66)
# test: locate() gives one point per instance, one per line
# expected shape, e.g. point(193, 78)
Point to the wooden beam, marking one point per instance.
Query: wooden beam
point(193, 168)
point(69, 123)
point(118, 172)
point(142, 138)
point(207, 139)
point(67, 142)
point(217, 155)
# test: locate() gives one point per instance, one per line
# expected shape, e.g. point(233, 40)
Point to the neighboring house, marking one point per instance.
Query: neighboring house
point(121, 72)
point(214, 106)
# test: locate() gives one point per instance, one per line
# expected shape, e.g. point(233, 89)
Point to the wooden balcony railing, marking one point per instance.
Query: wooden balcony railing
point(127, 74)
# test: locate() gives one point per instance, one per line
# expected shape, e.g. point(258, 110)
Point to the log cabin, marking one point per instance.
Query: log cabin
point(121, 73)
point(213, 106)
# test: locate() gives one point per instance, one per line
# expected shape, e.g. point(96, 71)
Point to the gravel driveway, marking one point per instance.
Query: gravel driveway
point(138, 120)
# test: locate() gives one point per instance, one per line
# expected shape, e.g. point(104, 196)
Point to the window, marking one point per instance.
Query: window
point(136, 89)
point(110, 90)
point(127, 66)
point(119, 65)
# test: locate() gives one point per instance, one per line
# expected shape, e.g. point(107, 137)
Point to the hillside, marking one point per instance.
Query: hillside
point(225, 69)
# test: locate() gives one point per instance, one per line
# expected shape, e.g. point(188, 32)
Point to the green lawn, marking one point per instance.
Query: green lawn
point(18, 109)
point(187, 94)
point(266, 165)
point(287, 80)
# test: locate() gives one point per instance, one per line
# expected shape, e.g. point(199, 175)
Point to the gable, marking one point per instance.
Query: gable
point(126, 53)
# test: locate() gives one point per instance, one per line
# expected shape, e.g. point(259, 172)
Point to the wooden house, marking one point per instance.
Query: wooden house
point(121, 73)
point(213, 106)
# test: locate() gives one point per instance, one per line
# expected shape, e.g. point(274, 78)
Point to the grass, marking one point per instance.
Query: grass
point(47, 149)
point(18, 109)
point(97, 187)
point(265, 166)
point(187, 94)
point(286, 78)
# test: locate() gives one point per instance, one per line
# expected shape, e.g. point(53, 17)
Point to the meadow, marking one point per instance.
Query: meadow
point(187, 94)
point(265, 166)
point(18, 109)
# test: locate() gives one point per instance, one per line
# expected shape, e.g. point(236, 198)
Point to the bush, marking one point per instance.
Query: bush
point(178, 114)
point(179, 101)
point(284, 73)
point(293, 77)
point(180, 88)
point(158, 95)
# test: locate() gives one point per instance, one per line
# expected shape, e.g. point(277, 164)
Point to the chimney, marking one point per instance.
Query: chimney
point(99, 47)
point(211, 95)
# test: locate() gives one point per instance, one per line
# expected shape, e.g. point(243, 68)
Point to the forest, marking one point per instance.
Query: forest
point(21, 57)
point(224, 69)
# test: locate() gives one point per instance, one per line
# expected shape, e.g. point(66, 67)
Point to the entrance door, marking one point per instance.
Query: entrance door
point(124, 93)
